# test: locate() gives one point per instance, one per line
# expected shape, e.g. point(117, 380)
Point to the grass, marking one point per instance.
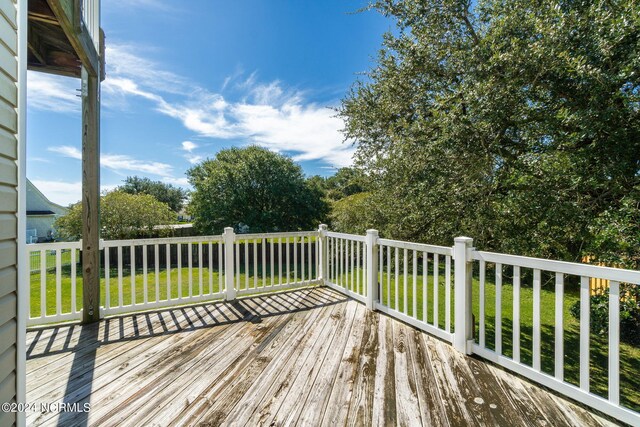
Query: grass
point(178, 284)
point(35, 258)
point(629, 355)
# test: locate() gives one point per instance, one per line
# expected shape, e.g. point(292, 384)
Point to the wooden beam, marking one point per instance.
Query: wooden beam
point(81, 42)
point(40, 11)
point(90, 196)
point(55, 70)
point(35, 46)
point(43, 18)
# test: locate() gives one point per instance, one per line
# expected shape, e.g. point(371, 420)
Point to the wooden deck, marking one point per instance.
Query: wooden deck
point(308, 357)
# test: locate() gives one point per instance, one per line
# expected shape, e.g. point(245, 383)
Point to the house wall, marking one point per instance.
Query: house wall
point(8, 205)
point(43, 224)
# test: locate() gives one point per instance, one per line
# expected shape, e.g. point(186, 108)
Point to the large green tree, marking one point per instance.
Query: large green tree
point(122, 216)
point(163, 192)
point(516, 122)
point(254, 189)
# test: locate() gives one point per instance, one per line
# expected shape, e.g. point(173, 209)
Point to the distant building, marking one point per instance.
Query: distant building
point(41, 214)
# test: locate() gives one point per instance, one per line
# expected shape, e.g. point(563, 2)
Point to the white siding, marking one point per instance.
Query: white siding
point(8, 204)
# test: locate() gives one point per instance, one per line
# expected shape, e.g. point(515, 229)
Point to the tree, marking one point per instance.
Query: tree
point(163, 192)
point(515, 122)
point(122, 216)
point(345, 182)
point(255, 188)
point(354, 214)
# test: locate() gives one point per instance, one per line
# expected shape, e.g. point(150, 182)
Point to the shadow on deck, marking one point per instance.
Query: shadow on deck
point(309, 357)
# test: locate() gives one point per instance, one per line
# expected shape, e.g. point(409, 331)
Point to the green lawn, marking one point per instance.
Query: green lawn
point(629, 355)
point(35, 259)
point(217, 285)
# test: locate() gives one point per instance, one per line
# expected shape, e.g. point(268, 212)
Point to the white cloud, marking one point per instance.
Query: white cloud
point(272, 118)
point(194, 159)
point(119, 163)
point(267, 94)
point(67, 151)
point(183, 182)
point(189, 146)
point(123, 62)
point(53, 93)
point(270, 115)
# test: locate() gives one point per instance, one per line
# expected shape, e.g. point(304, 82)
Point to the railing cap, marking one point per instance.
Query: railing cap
point(463, 239)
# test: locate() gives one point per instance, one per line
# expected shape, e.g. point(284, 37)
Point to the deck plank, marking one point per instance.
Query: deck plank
point(431, 407)
point(264, 392)
point(384, 398)
point(280, 388)
point(361, 401)
point(308, 357)
point(337, 406)
point(407, 404)
point(316, 401)
point(213, 405)
point(292, 404)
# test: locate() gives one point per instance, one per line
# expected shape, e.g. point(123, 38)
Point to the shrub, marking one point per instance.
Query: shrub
point(629, 313)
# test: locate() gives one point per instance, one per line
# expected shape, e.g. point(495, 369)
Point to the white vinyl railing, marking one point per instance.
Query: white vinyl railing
point(444, 291)
point(557, 272)
point(54, 293)
point(90, 13)
point(346, 264)
point(144, 274)
point(275, 261)
point(411, 275)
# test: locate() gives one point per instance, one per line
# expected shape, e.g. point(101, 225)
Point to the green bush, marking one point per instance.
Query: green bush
point(629, 313)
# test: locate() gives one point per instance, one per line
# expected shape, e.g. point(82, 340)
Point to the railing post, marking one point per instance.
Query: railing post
point(322, 255)
point(229, 238)
point(462, 294)
point(372, 268)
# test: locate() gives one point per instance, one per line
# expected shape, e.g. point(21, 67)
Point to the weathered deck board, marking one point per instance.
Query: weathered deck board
point(307, 357)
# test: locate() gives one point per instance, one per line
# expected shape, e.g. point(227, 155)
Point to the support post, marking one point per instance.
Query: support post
point(463, 335)
point(90, 196)
point(372, 268)
point(229, 238)
point(322, 252)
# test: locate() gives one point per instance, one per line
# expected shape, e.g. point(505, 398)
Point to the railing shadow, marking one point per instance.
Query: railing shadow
point(76, 412)
point(84, 340)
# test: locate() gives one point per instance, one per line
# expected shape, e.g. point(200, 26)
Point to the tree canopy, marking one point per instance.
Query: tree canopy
point(515, 122)
point(347, 181)
point(253, 189)
point(163, 192)
point(122, 216)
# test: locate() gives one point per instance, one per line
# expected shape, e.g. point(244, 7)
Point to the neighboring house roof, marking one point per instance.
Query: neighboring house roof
point(38, 204)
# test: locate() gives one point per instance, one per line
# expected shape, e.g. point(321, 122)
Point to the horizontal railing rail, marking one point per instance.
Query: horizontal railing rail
point(483, 303)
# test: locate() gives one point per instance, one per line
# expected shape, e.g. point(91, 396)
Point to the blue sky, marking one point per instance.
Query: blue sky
point(186, 79)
